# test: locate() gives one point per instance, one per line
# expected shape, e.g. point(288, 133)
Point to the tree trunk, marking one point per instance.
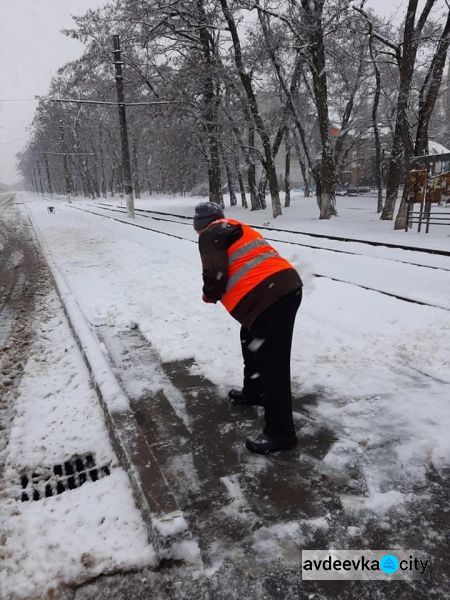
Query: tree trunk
point(326, 200)
point(287, 169)
point(376, 133)
point(262, 187)
point(212, 102)
point(402, 140)
point(41, 185)
point(136, 174)
point(402, 145)
point(214, 167)
point(103, 184)
point(428, 99)
point(402, 215)
point(96, 176)
point(230, 184)
point(430, 90)
point(251, 171)
point(241, 183)
point(149, 178)
point(393, 177)
point(90, 180)
point(111, 182)
point(253, 106)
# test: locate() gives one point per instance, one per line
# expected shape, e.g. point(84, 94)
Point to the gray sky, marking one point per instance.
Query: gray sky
point(33, 49)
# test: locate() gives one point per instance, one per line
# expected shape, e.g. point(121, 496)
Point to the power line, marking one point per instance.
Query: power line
point(87, 101)
point(109, 103)
point(70, 153)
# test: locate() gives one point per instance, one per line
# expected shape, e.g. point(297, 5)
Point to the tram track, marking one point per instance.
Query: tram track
point(270, 239)
point(435, 251)
point(320, 275)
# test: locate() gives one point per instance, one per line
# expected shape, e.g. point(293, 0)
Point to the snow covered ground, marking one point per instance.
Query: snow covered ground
point(357, 218)
point(78, 534)
point(380, 365)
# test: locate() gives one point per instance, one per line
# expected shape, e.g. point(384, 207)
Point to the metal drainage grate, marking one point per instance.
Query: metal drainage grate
point(72, 474)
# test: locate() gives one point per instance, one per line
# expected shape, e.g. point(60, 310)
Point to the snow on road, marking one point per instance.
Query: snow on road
point(80, 533)
point(381, 365)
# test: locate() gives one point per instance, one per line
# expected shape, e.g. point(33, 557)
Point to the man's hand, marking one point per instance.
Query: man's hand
point(208, 300)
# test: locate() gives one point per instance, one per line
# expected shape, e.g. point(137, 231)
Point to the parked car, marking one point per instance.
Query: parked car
point(352, 190)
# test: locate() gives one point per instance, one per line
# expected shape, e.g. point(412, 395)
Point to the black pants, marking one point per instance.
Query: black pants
point(266, 349)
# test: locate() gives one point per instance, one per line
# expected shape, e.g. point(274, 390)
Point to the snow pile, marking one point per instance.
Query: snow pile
point(73, 537)
point(381, 503)
point(82, 532)
point(284, 541)
point(170, 524)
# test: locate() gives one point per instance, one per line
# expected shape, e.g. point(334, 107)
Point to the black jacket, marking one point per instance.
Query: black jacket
point(213, 244)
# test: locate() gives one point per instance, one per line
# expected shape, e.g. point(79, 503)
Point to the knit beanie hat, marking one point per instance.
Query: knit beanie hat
point(206, 213)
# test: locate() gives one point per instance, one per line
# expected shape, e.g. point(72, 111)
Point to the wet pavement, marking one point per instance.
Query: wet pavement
point(253, 515)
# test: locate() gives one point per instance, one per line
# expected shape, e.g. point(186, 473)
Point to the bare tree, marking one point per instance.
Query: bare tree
point(235, 100)
point(427, 100)
point(376, 134)
point(246, 81)
point(405, 57)
point(289, 91)
point(313, 12)
point(212, 105)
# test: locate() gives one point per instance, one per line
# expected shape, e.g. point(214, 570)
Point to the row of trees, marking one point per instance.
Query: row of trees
point(245, 78)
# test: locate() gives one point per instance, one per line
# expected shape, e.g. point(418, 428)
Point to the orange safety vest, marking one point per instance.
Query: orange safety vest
point(250, 260)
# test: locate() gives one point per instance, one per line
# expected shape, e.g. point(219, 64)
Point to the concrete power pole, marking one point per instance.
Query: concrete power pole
point(126, 164)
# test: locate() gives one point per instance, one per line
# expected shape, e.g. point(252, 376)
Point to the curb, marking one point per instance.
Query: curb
point(165, 523)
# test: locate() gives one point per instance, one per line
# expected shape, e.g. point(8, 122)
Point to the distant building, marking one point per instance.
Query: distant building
point(358, 164)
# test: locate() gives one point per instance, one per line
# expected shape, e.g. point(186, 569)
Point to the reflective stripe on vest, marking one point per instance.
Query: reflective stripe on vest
point(246, 248)
point(269, 253)
point(251, 260)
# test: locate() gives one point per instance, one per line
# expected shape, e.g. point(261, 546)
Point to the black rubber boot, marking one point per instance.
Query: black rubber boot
point(237, 397)
point(265, 444)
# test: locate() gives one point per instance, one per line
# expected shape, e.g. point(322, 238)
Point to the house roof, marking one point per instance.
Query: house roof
point(437, 148)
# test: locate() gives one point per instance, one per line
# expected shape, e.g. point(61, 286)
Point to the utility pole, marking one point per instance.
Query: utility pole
point(126, 166)
point(67, 177)
point(126, 163)
point(47, 168)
